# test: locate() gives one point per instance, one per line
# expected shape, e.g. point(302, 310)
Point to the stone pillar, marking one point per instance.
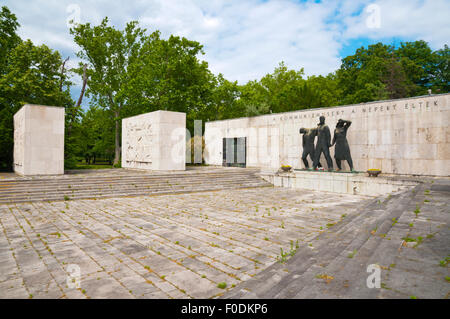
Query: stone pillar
point(39, 140)
point(155, 141)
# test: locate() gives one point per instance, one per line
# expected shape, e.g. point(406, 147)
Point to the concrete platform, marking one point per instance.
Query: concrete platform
point(339, 182)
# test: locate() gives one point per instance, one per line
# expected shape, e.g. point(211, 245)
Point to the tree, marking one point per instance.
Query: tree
point(108, 53)
point(281, 91)
point(95, 139)
point(417, 61)
point(225, 102)
point(440, 79)
point(8, 37)
point(32, 75)
point(169, 76)
point(327, 88)
point(8, 41)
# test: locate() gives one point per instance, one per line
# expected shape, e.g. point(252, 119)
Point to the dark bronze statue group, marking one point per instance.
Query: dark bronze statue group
point(341, 151)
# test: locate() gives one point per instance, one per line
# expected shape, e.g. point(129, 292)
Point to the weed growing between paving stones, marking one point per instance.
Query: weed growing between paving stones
point(352, 254)
point(222, 285)
point(394, 221)
point(444, 262)
point(417, 211)
point(283, 255)
point(417, 240)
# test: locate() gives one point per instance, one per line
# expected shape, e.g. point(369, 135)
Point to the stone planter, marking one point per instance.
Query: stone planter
point(286, 168)
point(373, 172)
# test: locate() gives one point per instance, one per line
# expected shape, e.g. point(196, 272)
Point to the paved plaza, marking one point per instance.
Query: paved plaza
point(194, 245)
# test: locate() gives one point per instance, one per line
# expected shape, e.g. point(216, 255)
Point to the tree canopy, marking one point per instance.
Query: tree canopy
point(29, 74)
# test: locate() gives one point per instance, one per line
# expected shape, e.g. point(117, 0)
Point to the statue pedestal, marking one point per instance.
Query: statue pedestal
point(337, 182)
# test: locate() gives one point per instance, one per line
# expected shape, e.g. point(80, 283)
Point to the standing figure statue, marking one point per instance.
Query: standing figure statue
point(309, 134)
point(323, 144)
point(342, 150)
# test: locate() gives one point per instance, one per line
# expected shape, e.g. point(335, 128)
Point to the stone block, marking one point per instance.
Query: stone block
point(155, 141)
point(39, 140)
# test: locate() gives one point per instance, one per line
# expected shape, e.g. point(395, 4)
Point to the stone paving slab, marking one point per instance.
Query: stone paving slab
point(405, 235)
point(168, 246)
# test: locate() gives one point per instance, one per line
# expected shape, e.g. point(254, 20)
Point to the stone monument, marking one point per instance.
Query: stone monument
point(323, 144)
point(39, 140)
point(154, 141)
point(309, 134)
point(402, 136)
point(342, 150)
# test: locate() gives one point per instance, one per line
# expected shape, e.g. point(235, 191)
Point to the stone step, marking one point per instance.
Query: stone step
point(98, 196)
point(273, 281)
point(344, 269)
point(97, 181)
point(330, 253)
point(130, 184)
point(57, 189)
point(384, 252)
point(125, 175)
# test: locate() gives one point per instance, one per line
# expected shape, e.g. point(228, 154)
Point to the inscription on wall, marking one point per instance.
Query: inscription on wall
point(364, 110)
point(139, 142)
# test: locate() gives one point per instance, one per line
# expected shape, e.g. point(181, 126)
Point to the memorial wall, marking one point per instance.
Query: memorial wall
point(155, 140)
point(404, 136)
point(39, 140)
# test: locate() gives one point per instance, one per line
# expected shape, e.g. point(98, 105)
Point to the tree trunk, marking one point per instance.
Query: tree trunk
point(62, 74)
point(117, 138)
point(80, 99)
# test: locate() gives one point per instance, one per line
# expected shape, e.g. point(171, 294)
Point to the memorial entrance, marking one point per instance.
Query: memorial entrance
point(234, 151)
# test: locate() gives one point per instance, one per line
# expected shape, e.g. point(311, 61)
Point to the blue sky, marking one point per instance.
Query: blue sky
point(246, 39)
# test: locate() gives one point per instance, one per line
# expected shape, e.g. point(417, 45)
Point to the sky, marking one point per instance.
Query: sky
point(246, 39)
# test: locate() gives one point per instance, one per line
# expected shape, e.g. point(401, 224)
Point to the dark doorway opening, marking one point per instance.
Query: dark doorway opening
point(234, 151)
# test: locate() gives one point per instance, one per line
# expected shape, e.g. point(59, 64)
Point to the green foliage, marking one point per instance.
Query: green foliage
point(109, 53)
point(28, 74)
point(282, 91)
point(352, 254)
point(283, 255)
point(444, 262)
point(382, 71)
point(96, 139)
point(222, 285)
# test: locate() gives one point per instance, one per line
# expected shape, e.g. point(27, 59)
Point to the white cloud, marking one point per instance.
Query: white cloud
point(413, 19)
point(245, 40)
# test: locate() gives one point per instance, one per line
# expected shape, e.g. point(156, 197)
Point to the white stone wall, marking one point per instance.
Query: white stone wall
point(39, 140)
point(155, 140)
point(405, 136)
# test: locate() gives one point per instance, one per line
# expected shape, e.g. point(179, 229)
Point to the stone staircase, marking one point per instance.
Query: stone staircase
point(125, 183)
point(336, 266)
